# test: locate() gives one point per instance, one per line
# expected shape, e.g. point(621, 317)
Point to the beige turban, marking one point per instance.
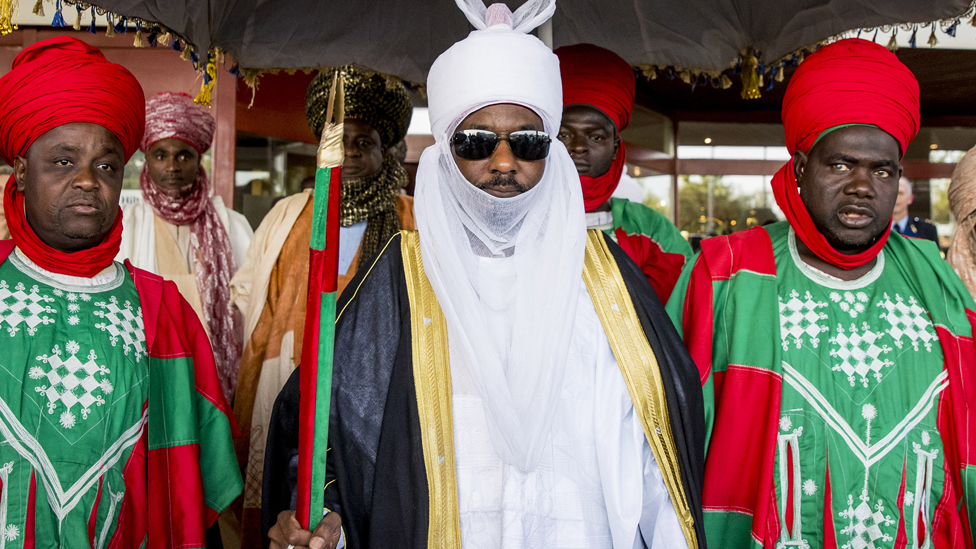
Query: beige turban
point(962, 201)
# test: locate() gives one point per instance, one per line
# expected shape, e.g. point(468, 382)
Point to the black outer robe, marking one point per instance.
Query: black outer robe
point(376, 458)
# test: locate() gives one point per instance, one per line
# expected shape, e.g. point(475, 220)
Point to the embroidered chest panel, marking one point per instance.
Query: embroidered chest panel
point(74, 382)
point(862, 375)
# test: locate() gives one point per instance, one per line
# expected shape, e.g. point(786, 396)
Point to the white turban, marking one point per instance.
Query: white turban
point(497, 64)
point(539, 235)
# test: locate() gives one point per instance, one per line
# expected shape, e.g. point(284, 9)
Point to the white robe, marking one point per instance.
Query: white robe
point(597, 484)
point(140, 247)
point(139, 234)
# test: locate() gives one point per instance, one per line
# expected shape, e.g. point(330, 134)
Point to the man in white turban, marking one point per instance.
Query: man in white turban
point(531, 392)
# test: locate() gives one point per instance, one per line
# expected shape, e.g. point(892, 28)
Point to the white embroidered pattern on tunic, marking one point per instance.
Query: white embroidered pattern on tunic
point(909, 320)
point(801, 317)
point(72, 382)
point(865, 520)
point(125, 323)
point(22, 307)
point(859, 354)
point(850, 302)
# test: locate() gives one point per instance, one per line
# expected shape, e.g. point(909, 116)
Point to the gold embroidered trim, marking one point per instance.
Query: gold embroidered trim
point(638, 366)
point(432, 379)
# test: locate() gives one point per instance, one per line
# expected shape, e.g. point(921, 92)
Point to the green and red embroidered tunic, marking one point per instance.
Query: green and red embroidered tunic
point(837, 413)
point(649, 238)
point(115, 432)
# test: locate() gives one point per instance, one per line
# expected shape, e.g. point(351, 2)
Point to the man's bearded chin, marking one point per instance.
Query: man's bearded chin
point(73, 234)
point(502, 181)
point(848, 246)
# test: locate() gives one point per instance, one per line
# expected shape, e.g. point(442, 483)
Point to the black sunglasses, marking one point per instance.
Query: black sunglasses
point(480, 144)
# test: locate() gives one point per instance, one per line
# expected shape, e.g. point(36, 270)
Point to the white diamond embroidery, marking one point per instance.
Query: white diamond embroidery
point(907, 320)
point(800, 317)
point(864, 524)
point(858, 354)
point(72, 382)
point(124, 323)
point(22, 307)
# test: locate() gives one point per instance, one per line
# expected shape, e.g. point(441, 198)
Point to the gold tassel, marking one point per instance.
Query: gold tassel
point(685, 77)
point(165, 39)
point(780, 73)
point(751, 79)
point(6, 17)
point(893, 43)
point(726, 82)
point(185, 54)
point(38, 8)
point(933, 40)
point(251, 81)
point(77, 25)
point(972, 21)
point(649, 71)
point(139, 42)
point(110, 29)
point(206, 89)
point(801, 57)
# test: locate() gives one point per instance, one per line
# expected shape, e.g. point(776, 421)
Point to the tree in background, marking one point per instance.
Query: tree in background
point(693, 203)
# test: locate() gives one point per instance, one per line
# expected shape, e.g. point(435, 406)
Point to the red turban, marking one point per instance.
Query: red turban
point(851, 81)
point(52, 83)
point(598, 78)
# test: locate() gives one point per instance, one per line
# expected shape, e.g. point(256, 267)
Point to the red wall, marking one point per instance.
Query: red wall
point(278, 109)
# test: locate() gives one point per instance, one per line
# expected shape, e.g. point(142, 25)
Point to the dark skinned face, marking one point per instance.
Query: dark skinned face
point(591, 139)
point(71, 178)
point(173, 164)
point(502, 175)
point(362, 148)
point(849, 183)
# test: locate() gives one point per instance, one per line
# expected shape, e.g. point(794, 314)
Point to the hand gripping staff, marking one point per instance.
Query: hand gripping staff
point(319, 339)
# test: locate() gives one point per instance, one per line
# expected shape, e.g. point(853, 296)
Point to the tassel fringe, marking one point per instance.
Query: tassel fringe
point(751, 79)
point(752, 69)
point(6, 17)
point(893, 43)
point(209, 79)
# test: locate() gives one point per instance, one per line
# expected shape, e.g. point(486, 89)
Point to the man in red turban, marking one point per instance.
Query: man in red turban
point(836, 357)
point(115, 428)
point(598, 98)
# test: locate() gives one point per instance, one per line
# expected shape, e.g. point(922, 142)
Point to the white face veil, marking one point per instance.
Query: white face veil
point(542, 231)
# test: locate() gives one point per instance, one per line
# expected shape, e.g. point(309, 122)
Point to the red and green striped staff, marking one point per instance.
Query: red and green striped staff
point(319, 339)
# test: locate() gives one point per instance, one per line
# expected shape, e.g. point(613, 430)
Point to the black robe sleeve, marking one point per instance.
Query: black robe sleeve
point(376, 480)
point(376, 473)
point(682, 386)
